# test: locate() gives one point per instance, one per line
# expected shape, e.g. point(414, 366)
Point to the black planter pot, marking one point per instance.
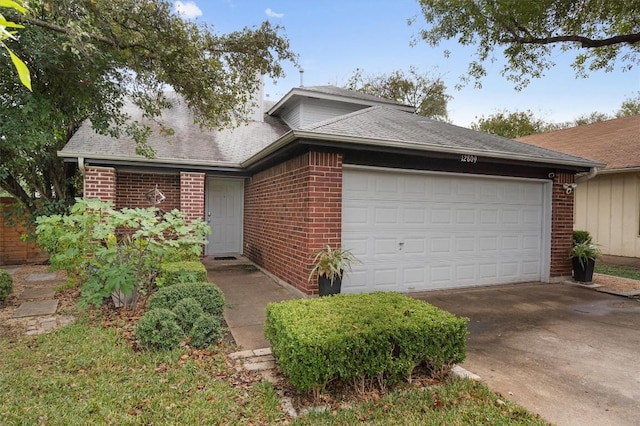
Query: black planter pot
point(583, 272)
point(327, 288)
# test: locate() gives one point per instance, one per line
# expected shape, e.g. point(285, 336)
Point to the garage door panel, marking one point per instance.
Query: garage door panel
point(416, 232)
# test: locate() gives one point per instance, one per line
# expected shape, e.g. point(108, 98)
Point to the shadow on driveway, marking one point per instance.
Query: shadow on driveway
point(567, 353)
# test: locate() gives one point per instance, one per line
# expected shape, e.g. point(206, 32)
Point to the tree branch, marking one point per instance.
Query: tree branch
point(584, 41)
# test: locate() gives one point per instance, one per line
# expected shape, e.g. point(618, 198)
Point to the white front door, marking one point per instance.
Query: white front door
point(225, 201)
point(416, 231)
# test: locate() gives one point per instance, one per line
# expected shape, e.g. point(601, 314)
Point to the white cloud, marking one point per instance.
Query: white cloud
point(187, 9)
point(271, 14)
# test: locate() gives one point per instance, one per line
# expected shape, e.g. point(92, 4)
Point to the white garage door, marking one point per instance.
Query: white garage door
point(415, 231)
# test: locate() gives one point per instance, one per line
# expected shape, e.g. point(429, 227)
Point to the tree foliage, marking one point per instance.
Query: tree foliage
point(511, 125)
point(7, 33)
point(88, 57)
point(630, 106)
point(516, 124)
point(427, 94)
point(603, 31)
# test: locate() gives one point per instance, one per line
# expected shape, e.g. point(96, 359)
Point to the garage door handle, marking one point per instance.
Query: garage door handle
point(400, 245)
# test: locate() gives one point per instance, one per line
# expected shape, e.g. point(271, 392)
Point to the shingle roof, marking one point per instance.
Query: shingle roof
point(614, 142)
point(188, 144)
point(380, 125)
point(389, 125)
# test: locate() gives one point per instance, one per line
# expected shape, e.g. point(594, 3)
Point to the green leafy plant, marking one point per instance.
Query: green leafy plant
point(172, 273)
point(187, 311)
point(206, 331)
point(332, 263)
point(6, 285)
point(208, 295)
point(584, 251)
point(158, 329)
point(111, 250)
point(583, 247)
point(376, 337)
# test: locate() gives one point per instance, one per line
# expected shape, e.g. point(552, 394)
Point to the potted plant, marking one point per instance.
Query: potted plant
point(330, 265)
point(583, 255)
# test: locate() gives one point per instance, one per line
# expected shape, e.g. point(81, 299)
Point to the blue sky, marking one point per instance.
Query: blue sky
point(334, 37)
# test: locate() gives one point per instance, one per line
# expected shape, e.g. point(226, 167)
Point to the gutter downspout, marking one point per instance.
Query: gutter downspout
point(590, 175)
point(83, 170)
point(81, 166)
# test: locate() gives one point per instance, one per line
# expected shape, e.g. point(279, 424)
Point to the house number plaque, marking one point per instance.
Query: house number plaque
point(469, 158)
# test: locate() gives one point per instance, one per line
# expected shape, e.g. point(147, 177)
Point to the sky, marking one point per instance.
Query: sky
point(334, 37)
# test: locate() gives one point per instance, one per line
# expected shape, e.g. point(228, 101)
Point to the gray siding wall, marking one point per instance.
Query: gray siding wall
point(316, 110)
point(292, 115)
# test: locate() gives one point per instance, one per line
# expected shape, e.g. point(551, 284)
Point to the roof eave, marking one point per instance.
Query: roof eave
point(147, 161)
point(294, 135)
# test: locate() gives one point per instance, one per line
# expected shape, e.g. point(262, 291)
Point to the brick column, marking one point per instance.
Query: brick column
point(100, 182)
point(192, 194)
point(561, 226)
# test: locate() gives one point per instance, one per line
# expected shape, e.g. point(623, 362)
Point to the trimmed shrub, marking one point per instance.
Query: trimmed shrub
point(206, 331)
point(6, 285)
point(172, 273)
point(182, 253)
point(209, 295)
point(364, 336)
point(187, 311)
point(158, 329)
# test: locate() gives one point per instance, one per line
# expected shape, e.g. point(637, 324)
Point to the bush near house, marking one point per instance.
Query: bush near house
point(209, 295)
point(377, 336)
point(194, 308)
point(6, 285)
point(172, 273)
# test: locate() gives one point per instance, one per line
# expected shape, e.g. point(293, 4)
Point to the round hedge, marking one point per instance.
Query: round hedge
point(208, 295)
point(158, 329)
point(6, 285)
point(206, 331)
point(187, 311)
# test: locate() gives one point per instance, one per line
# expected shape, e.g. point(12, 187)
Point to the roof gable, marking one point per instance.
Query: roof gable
point(614, 142)
point(333, 93)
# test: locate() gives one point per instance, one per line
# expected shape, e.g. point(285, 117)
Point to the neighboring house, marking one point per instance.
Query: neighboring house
point(607, 205)
point(423, 204)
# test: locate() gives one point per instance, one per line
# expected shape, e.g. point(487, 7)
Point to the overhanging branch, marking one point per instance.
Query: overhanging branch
point(584, 41)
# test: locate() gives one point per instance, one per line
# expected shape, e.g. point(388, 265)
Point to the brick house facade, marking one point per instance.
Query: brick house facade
point(290, 172)
point(292, 210)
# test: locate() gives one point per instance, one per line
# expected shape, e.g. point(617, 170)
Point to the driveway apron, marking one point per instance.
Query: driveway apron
point(567, 353)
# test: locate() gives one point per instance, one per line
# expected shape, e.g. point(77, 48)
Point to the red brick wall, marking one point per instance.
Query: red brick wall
point(291, 210)
point(100, 182)
point(192, 194)
point(561, 226)
point(131, 190)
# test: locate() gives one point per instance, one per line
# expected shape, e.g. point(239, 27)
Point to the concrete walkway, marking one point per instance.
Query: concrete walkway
point(247, 291)
point(38, 307)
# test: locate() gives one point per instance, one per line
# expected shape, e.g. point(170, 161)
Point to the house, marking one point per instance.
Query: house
point(423, 204)
point(607, 204)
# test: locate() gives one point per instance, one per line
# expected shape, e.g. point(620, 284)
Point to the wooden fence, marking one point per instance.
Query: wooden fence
point(14, 251)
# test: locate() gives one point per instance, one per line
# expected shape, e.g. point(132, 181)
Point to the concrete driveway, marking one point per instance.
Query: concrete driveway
point(567, 353)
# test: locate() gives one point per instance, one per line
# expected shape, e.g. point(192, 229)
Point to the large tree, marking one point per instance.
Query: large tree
point(602, 31)
point(88, 57)
point(427, 94)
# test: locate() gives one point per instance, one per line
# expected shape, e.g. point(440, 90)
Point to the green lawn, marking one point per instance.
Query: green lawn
point(86, 374)
point(618, 271)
